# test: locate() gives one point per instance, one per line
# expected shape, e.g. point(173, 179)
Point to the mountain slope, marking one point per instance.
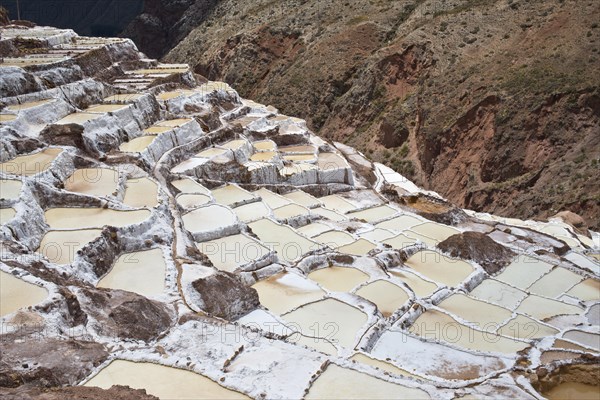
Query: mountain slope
point(494, 104)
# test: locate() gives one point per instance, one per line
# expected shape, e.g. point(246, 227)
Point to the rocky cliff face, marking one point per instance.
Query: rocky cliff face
point(493, 103)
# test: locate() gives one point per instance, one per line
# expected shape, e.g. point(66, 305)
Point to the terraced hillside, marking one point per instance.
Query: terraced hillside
point(492, 103)
point(162, 236)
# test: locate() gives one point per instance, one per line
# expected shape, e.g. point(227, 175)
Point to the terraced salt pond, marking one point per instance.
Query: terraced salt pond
point(329, 319)
point(141, 192)
point(141, 272)
point(31, 164)
point(60, 247)
point(573, 391)
point(587, 290)
point(334, 239)
point(81, 218)
point(10, 189)
point(162, 382)
point(6, 214)
point(15, 294)
point(284, 240)
point(420, 286)
point(439, 268)
point(385, 295)
point(334, 384)
point(252, 211)
point(229, 252)
point(93, 181)
point(137, 145)
point(374, 214)
point(338, 279)
point(284, 292)
point(232, 194)
point(193, 200)
point(208, 219)
point(360, 247)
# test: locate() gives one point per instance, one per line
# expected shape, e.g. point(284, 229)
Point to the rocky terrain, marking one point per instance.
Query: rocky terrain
point(161, 236)
point(492, 103)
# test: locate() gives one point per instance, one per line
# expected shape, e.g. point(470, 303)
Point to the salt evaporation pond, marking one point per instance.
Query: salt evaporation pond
point(382, 365)
point(555, 283)
point(483, 314)
point(81, 218)
point(337, 203)
point(288, 244)
point(232, 194)
point(30, 164)
point(6, 214)
point(385, 295)
point(142, 192)
point(373, 214)
point(439, 268)
point(329, 319)
point(587, 290)
point(338, 279)
point(343, 383)
point(138, 145)
point(60, 247)
point(283, 292)
point(229, 252)
point(193, 200)
point(302, 198)
point(252, 211)
point(334, 239)
point(16, 294)
point(10, 189)
point(499, 293)
point(208, 219)
point(400, 223)
point(420, 286)
point(162, 382)
point(360, 247)
point(573, 391)
point(141, 272)
point(93, 181)
point(290, 211)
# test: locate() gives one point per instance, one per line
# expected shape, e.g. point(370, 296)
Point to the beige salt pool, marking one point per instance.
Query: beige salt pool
point(252, 212)
point(232, 194)
point(81, 218)
point(78, 118)
point(273, 200)
point(188, 185)
point(522, 327)
point(420, 286)
point(338, 279)
point(399, 224)
point(329, 319)
point(141, 272)
point(328, 214)
point(313, 229)
point(400, 241)
point(285, 291)
point(555, 283)
point(587, 339)
point(234, 144)
point(10, 189)
point(299, 157)
point(385, 295)
point(499, 293)
point(31, 164)
point(230, 252)
point(265, 145)
point(60, 247)
point(377, 235)
point(573, 391)
point(212, 152)
point(584, 262)
point(6, 214)
point(174, 123)
point(543, 308)
point(587, 290)
point(288, 244)
point(331, 161)
point(4, 118)
point(303, 198)
point(123, 98)
point(141, 192)
point(209, 218)
point(105, 108)
point(524, 271)
point(382, 365)
point(337, 203)
point(16, 294)
point(162, 382)
point(440, 326)
point(374, 214)
point(157, 130)
point(290, 211)
point(360, 247)
point(486, 316)
point(439, 268)
point(93, 181)
point(438, 232)
point(28, 105)
point(343, 383)
point(137, 145)
point(193, 200)
point(263, 156)
point(334, 239)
